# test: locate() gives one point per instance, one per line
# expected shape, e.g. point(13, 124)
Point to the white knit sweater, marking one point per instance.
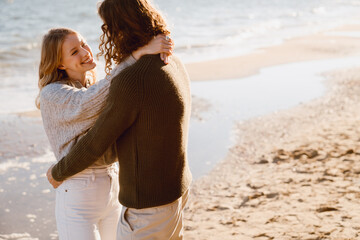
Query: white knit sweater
point(69, 112)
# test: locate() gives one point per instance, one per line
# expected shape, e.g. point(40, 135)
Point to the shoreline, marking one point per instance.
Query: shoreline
point(313, 47)
point(306, 48)
point(292, 174)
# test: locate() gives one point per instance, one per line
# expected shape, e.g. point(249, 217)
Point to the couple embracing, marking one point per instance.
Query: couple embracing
point(137, 116)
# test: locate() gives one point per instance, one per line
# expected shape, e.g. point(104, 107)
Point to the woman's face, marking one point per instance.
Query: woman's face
point(77, 57)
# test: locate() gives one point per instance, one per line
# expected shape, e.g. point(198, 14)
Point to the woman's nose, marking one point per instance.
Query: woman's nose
point(84, 52)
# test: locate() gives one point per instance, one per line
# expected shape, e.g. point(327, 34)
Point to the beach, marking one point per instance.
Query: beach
point(292, 174)
point(289, 174)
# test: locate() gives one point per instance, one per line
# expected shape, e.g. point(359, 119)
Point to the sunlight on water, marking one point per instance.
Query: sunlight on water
point(274, 88)
point(201, 30)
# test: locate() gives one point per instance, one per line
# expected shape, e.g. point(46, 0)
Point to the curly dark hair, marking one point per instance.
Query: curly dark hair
point(128, 25)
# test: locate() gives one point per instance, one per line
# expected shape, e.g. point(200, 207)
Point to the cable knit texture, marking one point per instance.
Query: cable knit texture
point(69, 112)
point(147, 114)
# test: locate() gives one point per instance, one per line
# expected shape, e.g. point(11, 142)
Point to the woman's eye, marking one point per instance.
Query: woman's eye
point(74, 53)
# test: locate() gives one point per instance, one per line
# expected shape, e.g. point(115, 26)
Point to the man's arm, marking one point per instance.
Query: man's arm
point(120, 112)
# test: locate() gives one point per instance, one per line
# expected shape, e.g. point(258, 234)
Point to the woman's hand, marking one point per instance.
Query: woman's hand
point(159, 44)
point(52, 181)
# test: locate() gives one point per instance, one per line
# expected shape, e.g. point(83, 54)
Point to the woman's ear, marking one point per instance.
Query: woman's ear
point(61, 67)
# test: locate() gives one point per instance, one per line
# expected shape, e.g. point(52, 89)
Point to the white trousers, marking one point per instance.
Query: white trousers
point(163, 222)
point(87, 206)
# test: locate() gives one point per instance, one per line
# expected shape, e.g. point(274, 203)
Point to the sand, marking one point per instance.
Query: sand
point(22, 135)
point(293, 174)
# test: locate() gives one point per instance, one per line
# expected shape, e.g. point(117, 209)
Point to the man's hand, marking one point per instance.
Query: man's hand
point(52, 181)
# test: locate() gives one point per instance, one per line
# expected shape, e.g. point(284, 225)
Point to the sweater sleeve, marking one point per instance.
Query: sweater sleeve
point(120, 112)
point(82, 104)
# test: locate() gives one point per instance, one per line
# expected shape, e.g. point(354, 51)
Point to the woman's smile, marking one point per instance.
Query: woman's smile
point(88, 60)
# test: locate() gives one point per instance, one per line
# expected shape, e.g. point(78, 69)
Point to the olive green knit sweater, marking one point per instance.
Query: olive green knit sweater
point(147, 113)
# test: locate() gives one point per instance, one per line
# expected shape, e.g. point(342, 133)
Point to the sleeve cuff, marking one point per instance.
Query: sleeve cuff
point(55, 174)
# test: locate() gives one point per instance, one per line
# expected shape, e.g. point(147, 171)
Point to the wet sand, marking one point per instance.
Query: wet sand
point(293, 174)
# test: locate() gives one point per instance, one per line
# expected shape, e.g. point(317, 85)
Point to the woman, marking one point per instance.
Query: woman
point(70, 100)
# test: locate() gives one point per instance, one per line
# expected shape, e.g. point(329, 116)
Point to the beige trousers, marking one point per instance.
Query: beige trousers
point(162, 222)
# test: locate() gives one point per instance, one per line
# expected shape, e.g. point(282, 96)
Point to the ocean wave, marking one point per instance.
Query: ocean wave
point(29, 46)
point(48, 157)
point(13, 163)
point(195, 46)
point(6, 64)
point(232, 24)
point(319, 10)
point(18, 50)
point(235, 37)
point(9, 54)
point(355, 3)
point(17, 236)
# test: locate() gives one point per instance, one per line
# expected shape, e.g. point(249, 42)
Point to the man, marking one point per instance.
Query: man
point(147, 115)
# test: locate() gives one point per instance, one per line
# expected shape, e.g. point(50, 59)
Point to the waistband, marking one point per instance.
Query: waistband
point(110, 169)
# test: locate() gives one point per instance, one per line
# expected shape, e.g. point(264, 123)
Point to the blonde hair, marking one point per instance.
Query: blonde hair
point(50, 60)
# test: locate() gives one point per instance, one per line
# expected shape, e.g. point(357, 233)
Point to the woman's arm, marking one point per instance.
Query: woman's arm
point(84, 105)
point(79, 104)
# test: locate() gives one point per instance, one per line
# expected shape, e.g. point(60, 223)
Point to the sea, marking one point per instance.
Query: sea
point(202, 30)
